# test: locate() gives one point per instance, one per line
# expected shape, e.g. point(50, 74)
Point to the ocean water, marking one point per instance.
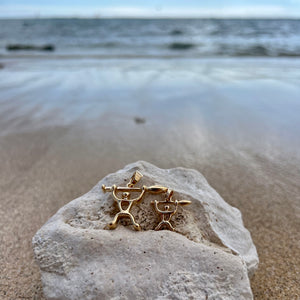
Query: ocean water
point(128, 38)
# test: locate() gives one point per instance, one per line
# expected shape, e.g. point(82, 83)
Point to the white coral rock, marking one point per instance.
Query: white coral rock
point(210, 256)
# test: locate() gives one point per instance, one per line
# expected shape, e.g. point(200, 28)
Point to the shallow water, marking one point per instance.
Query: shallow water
point(248, 102)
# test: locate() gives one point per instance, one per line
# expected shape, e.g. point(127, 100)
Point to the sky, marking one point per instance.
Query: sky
point(150, 8)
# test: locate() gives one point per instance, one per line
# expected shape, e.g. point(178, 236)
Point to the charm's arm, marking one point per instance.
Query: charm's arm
point(140, 196)
point(175, 209)
point(155, 203)
point(114, 188)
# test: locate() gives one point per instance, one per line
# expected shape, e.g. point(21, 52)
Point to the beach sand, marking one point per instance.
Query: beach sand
point(65, 126)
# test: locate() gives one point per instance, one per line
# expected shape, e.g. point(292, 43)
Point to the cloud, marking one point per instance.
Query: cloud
point(270, 11)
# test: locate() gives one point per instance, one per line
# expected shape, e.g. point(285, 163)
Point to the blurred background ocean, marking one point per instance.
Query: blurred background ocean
point(167, 38)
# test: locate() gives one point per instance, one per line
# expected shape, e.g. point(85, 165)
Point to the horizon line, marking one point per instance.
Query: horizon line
point(151, 17)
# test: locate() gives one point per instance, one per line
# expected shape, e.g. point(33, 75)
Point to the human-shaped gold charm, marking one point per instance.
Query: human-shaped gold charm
point(125, 203)
point(167, 209)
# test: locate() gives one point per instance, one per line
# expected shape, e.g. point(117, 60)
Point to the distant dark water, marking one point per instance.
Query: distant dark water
point(167, 38)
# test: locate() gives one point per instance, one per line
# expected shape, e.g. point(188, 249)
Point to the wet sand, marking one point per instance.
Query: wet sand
point(65, 126)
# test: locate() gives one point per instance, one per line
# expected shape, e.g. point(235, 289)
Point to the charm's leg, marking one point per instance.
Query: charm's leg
point(136, 226)
point(162, 223)
point(159, 226)
point(169, 225)
point(114, 223)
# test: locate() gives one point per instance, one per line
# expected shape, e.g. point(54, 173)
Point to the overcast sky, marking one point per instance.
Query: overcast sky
point(149, 8)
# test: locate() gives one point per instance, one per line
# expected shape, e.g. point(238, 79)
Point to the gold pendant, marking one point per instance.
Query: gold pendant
point(167, 209)
point(125, 202)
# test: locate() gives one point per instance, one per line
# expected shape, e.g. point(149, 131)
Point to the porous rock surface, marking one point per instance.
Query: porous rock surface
point(210, 256)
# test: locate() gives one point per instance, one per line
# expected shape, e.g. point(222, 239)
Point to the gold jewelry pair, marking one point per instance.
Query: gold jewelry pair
point(165, 208)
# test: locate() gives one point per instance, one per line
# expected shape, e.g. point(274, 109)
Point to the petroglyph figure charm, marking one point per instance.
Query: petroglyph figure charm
point(125, 202)
point(167, 209)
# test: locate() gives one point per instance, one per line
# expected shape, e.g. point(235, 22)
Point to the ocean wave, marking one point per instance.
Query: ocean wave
point(28, 47)
point(176, 32)
point(181, 46)
point(259, 51)
point(176, 49)
point(288, 54)
point(75, 56)
point(255, 50)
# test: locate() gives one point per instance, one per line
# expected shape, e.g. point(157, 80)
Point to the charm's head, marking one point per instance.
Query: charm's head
point(125, 195)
